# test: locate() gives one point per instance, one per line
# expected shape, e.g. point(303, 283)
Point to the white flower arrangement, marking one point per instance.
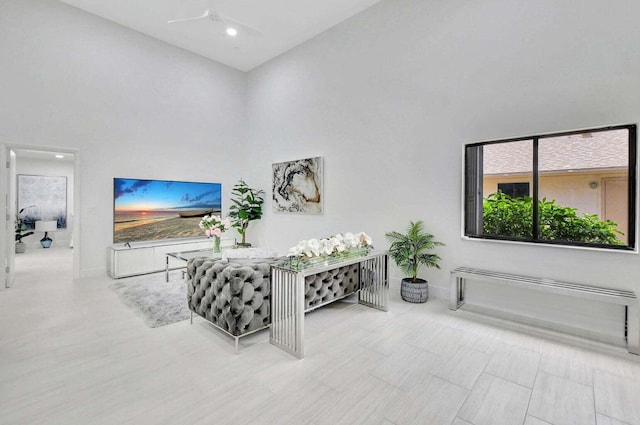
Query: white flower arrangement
point(214, 225)
point(333, 246)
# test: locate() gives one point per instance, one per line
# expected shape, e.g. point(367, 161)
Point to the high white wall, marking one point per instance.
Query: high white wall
point(54, 168)
point(131, 106)
point(389, 98)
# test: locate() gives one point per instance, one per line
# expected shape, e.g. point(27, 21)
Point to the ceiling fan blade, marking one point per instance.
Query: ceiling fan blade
point(193, 18)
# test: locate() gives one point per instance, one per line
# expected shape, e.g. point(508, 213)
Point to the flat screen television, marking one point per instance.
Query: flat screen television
point(147, 210)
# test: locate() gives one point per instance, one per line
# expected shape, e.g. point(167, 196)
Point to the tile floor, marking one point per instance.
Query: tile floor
point(72, 353)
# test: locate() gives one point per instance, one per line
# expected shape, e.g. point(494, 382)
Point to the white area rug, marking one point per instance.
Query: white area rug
point(158, 302)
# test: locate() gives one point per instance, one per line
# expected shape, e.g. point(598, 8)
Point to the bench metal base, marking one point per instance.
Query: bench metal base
point(236, 338)
point(627, 299)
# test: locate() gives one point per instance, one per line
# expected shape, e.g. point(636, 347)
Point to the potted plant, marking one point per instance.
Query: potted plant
point(409, 251)
point(21, 232)
point(246, 206)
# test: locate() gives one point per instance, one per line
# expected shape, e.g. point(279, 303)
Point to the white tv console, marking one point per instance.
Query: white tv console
point(148, 257)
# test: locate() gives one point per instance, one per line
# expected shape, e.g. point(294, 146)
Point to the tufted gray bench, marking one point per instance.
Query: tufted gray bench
point(326, 286)
point(235, 295)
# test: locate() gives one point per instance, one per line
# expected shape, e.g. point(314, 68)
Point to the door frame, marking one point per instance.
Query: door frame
point(7, 233)
point(76, 223)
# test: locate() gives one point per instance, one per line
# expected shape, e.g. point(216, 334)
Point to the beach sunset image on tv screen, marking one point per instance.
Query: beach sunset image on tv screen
point(146, 210)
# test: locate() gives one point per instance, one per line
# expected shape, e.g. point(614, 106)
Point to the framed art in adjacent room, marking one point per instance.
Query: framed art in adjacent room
point(297, 186)
point(42, 198)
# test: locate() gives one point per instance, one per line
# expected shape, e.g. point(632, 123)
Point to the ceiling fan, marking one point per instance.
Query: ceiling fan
point(231, 26)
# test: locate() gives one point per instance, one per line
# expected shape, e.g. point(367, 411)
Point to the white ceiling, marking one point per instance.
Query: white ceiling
point(282, 24)
point(43, 155)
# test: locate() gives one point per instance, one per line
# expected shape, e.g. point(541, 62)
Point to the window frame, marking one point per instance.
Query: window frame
point(470, 219)
point(528, 185)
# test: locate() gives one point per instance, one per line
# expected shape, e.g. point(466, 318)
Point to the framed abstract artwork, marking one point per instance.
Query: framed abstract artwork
point(297, 186)
point(42, 198)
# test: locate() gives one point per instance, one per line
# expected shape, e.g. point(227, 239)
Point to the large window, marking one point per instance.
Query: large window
point(571, 188)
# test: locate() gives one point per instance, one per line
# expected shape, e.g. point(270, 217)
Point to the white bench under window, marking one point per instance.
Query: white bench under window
point(627, 299)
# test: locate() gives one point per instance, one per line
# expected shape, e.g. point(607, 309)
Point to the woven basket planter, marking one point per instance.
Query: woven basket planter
point(414, 292)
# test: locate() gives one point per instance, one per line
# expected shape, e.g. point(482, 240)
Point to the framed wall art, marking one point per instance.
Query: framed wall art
point(42, 198)
point(297, 186)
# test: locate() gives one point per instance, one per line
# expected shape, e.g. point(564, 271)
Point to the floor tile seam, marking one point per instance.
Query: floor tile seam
point(593, 397)
point(536, 417)
point(611, 417)
point(535, 380)
point(426, 350)
point(595, 409)
point(575, 381)
point(565, 379)
point(595, 404)
point(419, 348)
point(431, 375)
point(444, 357)
point(363, 399)
point(458, 385)
point(469, 392)
point(482, 352)
point(511, 381)
point(518, 347)
point(508, 380)
point(411, 392)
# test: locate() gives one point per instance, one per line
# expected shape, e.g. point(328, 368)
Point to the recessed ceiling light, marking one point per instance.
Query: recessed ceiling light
point(59, 156)
point(232, 32)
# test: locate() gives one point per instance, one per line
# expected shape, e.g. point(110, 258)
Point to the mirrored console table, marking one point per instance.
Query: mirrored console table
point(288, 295)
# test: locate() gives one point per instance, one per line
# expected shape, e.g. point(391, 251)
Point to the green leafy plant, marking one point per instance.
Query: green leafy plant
point(506, 216)
point(513, 217)
point(409, 251)
point(21, 230)
point(246, 207)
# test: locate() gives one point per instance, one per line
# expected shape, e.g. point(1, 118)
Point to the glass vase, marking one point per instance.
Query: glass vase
point(216, 245)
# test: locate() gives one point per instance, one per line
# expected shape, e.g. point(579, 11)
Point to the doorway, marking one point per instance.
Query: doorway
point(29, 165)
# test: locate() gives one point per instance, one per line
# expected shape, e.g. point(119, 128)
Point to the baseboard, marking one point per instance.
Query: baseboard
point(440, 292)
